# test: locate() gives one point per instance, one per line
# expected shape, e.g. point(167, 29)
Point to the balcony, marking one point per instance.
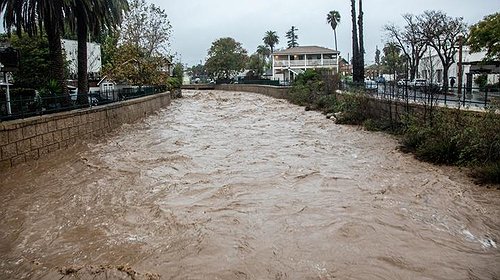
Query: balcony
point(305, 63)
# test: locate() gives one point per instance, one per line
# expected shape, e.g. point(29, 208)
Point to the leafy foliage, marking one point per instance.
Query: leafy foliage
point(256, 64)
point(292, 37)
point(271, 39)
point(458, 138)
point(486, 35)
point(132, 66)
point(315, 88)
point(34, 61)
point(226, 58)
point(146, 27)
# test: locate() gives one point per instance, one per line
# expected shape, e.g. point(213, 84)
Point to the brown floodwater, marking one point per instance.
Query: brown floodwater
point(230, 185)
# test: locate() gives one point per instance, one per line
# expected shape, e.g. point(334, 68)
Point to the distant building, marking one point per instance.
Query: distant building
point(293, 61)
point(94, 64)
point(431, 68)
point(345, 67)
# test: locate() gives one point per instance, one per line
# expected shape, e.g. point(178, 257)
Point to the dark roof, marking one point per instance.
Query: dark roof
point(305, 50)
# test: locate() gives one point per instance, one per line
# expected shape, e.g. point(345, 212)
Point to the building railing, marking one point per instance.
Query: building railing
point(304, 63)
point(24, 106)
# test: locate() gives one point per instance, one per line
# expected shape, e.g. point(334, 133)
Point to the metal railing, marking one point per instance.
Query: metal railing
point(36, 104)
point(472, 97)
point(304, 63)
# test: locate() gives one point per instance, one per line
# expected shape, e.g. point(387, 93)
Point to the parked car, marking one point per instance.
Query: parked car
point(404, 82)
point(370, 84)
point(418, 83)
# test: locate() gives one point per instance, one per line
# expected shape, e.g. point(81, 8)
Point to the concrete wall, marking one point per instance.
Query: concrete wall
point(272, 91)
point(33, 138)
point(373, 107)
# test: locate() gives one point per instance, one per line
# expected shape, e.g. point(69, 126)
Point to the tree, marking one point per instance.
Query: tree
point(256, 65)
point(377, 59)
point(146, 27)
point(132, 66)
point(226, 58)
point(333, 18)
point(392, 61)
point(271, 39)
point(292, 37)
point(142, 46)
point(198, 71)
point(358, 61)
point(263, 51)
point(410, 41)
point(32, 16)
point(34, 61)
point(92, 17)
point(486, 35)
point(440, 32)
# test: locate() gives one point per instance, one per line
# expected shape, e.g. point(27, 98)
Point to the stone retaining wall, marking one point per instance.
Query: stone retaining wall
point(272, 91)
point(33, 138)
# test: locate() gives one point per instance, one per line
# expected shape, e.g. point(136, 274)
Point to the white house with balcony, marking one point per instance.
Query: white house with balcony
point(293, 61)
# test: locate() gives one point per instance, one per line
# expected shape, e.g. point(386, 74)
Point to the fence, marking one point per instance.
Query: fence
point(469, 96)
point(33, 104)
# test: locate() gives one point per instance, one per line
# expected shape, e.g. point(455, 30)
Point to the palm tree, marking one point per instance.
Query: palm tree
point(92, 17)
point(263, 51)
point(271, 39)
point(31, 16)
point(333, 18)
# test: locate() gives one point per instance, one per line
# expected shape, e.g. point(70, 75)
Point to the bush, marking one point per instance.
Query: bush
point(174, 83)
point(488, 173)
point(353, 109)
point(315, 88)
point(458, 138)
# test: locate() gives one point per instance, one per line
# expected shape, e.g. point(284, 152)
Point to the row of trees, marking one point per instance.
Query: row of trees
point(227, 57)
point(431, 29)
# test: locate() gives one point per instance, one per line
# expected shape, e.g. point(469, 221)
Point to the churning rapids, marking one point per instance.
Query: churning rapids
point(231, 185)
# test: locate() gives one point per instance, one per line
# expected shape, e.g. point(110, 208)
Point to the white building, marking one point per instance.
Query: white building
point(431, 68)
point(94, 64)
point(293, 61)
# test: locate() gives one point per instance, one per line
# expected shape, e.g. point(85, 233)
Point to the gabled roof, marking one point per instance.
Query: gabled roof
point(305, 50)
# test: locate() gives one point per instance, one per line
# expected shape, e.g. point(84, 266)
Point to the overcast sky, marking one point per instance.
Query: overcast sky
point(197, 23)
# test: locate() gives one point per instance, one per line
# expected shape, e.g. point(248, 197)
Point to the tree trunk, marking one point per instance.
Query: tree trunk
point(361, 58)
point(355, 47)
point(56, 68)
point(446, 67)
point(335, 35)
point(82, 33)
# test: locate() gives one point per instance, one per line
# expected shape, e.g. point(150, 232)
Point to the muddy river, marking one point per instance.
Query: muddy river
point(228, 185)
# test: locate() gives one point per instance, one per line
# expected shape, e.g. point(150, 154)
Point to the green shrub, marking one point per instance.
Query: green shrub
point(174, 83)
point(327, 103)
point(488, 173)
point(352, 108)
